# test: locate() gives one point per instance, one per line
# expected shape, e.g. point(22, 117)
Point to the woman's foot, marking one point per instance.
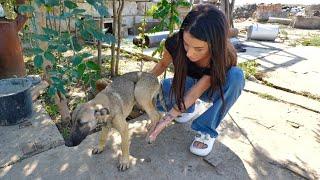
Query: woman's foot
point(200, 107)
point(202, 144)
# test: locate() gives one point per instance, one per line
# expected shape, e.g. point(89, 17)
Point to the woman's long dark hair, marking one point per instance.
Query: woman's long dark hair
point(207, 23)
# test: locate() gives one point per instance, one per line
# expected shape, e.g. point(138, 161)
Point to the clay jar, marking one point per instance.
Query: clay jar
point(11, 58)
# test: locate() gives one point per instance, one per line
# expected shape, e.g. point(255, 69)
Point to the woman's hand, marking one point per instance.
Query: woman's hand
point(162, 123)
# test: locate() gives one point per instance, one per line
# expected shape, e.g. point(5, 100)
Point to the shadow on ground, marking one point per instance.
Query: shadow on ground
point(167, 158)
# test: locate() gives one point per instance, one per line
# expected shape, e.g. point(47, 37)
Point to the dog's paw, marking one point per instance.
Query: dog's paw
point(97, 150)
point(124, 164)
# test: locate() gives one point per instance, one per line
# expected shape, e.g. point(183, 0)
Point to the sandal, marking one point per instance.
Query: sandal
point(200, 107)
point(206, 140)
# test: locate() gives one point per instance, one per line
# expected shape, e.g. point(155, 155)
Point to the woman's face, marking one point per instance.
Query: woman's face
point(197, 50)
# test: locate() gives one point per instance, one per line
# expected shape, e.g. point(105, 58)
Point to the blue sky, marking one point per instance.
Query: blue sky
point(304, 2)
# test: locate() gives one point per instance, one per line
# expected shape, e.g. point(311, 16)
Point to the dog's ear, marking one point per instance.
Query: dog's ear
point(102, 114)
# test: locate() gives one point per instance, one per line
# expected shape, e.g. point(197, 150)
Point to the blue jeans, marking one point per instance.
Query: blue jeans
point(211, 118)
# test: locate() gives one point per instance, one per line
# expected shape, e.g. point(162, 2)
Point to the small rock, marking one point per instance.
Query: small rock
point(294, 124)
point(148, 160)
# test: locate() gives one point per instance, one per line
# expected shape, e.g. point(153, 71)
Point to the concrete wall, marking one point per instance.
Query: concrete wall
point(306, 22)
point(132, 15)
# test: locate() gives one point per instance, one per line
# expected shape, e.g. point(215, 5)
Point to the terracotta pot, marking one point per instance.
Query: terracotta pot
point(11, 58)
point(20, 1)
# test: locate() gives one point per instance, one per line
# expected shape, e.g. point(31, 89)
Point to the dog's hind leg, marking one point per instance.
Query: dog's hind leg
point(102, 140)
point(122, 126)
point(145, 99)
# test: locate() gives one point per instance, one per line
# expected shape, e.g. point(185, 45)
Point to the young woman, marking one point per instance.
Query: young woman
point(204, 68)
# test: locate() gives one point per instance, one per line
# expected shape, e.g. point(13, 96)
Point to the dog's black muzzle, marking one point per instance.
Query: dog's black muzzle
point(77, 135)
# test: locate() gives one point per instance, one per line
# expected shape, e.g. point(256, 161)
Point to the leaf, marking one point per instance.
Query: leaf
point(62, 48)
point(78, 11)
point(98, 35)
point(92, 65)
point(65, 36)
point(41, 37)
point(109, 38)
point(25, 9)
point(65, 15)
point(85, 34)
point(38, 61)
point(76, 60)
point(40, 2)
point(76, 45)
point(56, 80)
point(86, 78)
point(81, 68)
point(48, 55)
point(50, 31)
point(36, 50)
point(74, 74)
point(176, 19)
point(52, 47)
point(70, 4)
point(102, 11)
point(52, 91)
point(86, 55)
point(92, 84)
point(92, 2)
point(78, 23)
point(183, 3)
point(52, 3)
point(60, 88)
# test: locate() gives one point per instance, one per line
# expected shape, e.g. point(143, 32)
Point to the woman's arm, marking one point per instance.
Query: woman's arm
point(161, 66)
point(192, 95)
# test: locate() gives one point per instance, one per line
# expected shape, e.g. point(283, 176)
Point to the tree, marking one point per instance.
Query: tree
point(116, 30)
point(227, 7)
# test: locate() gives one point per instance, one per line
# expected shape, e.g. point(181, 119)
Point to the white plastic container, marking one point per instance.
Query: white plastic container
point(265, 32)
point(1, 11)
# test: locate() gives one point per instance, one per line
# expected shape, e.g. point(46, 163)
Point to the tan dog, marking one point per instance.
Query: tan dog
point(111, 106)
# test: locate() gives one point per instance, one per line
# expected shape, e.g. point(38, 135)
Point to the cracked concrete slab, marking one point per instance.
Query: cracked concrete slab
point(33, 136)
point(299, 100)
point(296, 68)
point(245, 149)
point(288, 146)
point(167, 158)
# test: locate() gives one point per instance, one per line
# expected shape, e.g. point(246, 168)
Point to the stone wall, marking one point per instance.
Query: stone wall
point(306, 22)
point(313, 10)
point(264, 11)
point(245, 11)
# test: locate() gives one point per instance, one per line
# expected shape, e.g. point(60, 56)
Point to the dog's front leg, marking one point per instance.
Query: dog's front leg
point(122, 126)
point(102, 140)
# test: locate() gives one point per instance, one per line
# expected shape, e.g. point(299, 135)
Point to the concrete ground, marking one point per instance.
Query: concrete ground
point(268, 134)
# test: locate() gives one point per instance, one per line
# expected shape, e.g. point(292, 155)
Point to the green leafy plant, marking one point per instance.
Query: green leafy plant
point(166, 11)
point(312, 41)
point(249, 68)
point(64, 70)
